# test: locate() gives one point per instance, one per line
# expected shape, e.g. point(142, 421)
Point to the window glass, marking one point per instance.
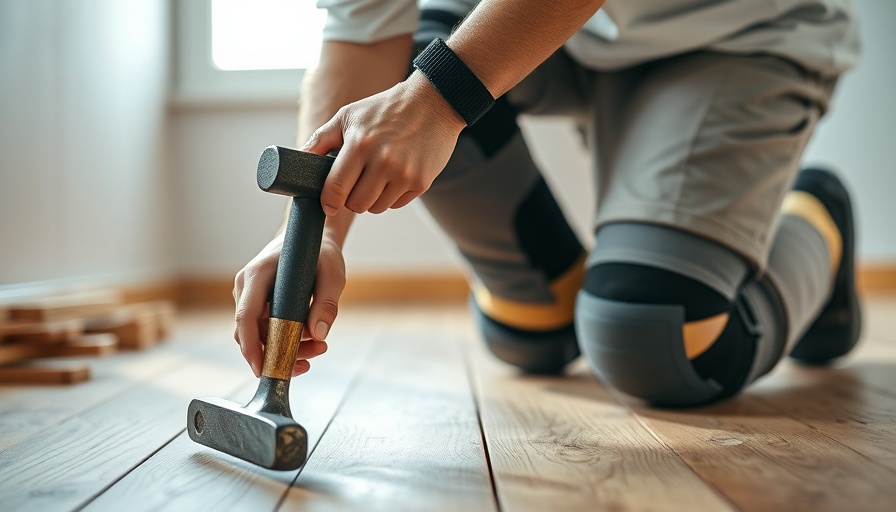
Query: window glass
point(265, 34)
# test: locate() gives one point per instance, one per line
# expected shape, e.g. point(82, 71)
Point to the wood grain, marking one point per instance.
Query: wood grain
point(801, 439)
point(853, 402)
point(563, 443)
point(184, 475)
point(761, 459)
point(68, 464)
point(407, 436)
point(27, 411)
point(838, 404)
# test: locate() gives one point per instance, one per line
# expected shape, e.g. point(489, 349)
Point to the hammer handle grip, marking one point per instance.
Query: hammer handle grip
point(294, 281)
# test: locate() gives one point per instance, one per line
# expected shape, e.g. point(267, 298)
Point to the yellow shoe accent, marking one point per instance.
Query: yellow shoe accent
point(701, 334)
point(536, 317)
point(807, 207)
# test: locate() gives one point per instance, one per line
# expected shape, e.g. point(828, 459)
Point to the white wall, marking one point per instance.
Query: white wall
point(858, 137)
point(83, 180)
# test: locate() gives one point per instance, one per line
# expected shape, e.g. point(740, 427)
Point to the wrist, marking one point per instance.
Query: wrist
point(422, 91)
point(336, 227)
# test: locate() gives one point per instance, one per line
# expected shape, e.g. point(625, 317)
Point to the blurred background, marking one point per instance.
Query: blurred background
point(130, 131)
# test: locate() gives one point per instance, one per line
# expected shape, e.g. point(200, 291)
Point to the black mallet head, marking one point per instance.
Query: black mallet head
point(254, 432)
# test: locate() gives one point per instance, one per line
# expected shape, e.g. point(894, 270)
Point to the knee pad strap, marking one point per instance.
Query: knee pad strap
point(638, 349)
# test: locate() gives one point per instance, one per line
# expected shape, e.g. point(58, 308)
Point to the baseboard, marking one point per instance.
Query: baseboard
point(877, 278)
point(362, 288)
point(385, 287)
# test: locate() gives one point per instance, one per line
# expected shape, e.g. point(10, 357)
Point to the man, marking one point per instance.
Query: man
point(710, 262)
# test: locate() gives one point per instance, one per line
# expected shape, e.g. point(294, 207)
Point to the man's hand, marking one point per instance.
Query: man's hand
point(394, 144)
point(252, 287)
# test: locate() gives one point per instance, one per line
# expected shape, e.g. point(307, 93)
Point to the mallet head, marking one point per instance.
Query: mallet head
point(254, 432)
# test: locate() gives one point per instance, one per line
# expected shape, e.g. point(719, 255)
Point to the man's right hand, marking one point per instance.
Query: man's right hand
point(253, 286)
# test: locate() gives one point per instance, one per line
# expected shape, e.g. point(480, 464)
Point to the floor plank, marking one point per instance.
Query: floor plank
point(28, 410)
point(407, 436)
point(564, 443)
point(852, 402)
point(839, 405)
point(65, 465)
point(184, 475)
point(761, 459)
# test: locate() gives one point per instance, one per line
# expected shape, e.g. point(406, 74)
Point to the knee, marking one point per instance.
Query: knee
point(629, 323)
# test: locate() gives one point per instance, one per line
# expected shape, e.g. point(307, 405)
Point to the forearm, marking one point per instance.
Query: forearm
point(348, 72)
point(502, 41)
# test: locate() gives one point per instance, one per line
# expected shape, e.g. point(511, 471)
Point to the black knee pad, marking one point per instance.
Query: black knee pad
point(629, 321)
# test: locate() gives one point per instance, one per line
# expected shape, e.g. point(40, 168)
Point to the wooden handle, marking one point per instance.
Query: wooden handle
point(280, 350)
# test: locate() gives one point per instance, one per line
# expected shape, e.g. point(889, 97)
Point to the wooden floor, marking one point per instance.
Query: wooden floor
point(407, 412)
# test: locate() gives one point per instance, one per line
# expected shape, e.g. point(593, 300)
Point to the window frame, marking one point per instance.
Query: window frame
point(198, 82)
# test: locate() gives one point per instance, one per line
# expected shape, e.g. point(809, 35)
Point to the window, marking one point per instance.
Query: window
point(244, 51)
point(265, 34)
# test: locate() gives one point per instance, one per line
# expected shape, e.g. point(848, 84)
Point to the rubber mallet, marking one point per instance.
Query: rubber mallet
point(263, 431)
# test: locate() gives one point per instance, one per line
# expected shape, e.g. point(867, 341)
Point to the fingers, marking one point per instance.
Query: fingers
point(404, 200)
point(307, 350)
point(366, 191)
point(388, 197)
point(250, 315)
point(342, 178)
point(346, 169)
point(300, 367)
point(325, 138)
point(328, 286)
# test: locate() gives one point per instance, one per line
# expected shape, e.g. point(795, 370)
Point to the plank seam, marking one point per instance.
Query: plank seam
point(125, 389)
point(96, 495)
point(348, 391)
point(468, 366)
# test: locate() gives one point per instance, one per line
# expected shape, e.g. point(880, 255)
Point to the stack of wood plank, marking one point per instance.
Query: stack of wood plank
point(75, 324)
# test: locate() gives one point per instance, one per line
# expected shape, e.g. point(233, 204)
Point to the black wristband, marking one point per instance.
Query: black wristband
point(460, 87)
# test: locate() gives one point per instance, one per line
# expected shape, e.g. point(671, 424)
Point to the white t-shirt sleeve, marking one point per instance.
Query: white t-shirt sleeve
point(367, 21)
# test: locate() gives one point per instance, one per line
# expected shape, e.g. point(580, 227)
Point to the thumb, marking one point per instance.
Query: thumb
point(325, 138)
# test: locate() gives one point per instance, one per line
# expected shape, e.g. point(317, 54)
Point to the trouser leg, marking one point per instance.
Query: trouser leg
point(526, 263)
point(692, 292)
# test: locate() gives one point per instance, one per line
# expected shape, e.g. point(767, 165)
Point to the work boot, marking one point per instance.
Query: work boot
point(836, 330)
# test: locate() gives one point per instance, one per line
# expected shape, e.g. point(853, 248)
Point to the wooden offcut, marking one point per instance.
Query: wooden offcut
point(80, 304)
point(44, 375)
point(49, 332)
point(135, 327)
point(76, 324)
point(85, 345)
